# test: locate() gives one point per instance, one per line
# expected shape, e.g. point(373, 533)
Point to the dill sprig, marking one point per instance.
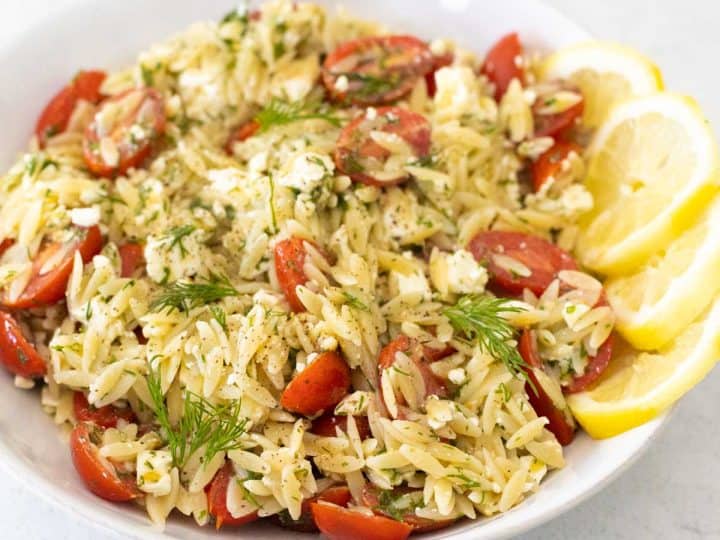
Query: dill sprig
point(479, 318)
point(354, 302)
point(176, 235)
point(216, 428)
point(280, 112)
point(186, 295)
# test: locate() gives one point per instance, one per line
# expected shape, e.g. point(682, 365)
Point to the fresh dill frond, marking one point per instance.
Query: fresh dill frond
point(479, 319)
point(220, 316)
point(371, 85)
point(186, 295)
point(354, 302)
point(176, 235)
point(271, 202)
point(280, 112)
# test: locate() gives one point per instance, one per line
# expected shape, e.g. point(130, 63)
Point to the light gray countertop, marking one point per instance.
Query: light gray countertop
point(672, 491)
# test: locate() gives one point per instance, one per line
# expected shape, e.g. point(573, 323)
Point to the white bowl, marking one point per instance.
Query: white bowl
point(110, 34)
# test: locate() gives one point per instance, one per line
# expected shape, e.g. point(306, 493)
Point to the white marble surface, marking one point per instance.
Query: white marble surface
point(672, 491)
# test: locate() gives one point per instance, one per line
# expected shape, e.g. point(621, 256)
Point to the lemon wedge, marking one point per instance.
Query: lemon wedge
point(638, 386)
point(605, 73)
point(660, 300)
point(652, 169)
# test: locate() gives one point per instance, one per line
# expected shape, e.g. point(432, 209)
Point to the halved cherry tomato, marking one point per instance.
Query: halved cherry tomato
point(129, 124)
point(289, 255)
point(377, 70)
point(560, 422)
point(363, 160)
point(551, 162)
point(338, 523)
point(325, 425)
point(106, 417)
point(17, 354)
point(371, 499)
point(559, 124)
point(132, 257)
point(415, 351)
point(47, 285)
point(501, 64)
point(318, 387)
point(217, 500)
point(542, 258)
point(56, 115)
point(5, 245)
point(439, 61)
point(339, 495)
point(96, 472)
point(242, 132)
point(431, 354)
point(595, 367)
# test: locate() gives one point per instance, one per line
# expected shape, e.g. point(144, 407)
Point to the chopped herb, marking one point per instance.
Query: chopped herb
point(186, 295)
point(220, 316)
point(400, 371)
point(370, 85)
point(504, 391)
point(176, 235)
point(280, 112)
point(354, 302)
point(271, 201)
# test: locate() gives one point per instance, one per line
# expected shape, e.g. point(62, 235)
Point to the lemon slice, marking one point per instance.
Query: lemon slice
point(660, 300)
point(652, 169)
point(606, 73)
point(639, 386)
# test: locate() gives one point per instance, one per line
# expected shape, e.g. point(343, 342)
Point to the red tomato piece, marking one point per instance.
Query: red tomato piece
point(542, 258)
point(241, 133)
point(96, 472)
point(560, 421)
point(550, 163)
point(56, 115)
point(132, 257)
point(377, 70)
point(289, 255)
point(47, 285)
point(501, 64)
point(217, 500)
point(130, 123)
point(595, 367)
point(17, 354)
point(106, 417)
point(415, 351)
point(5, 245)
point(371, 499)
point(339, 495)
point(339, 523)
point(439, 61)
point(318, 387)
point(556, 125)
point(325, 425)
point(363, 160)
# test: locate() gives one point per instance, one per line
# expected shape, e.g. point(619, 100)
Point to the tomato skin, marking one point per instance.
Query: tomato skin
point(325, 425)
point(289, 255)
point(371, 499)
point(397, 61)
point(132, 257)
point(550, 163)
point(6, 244)
point(55, 116)
point(596, 366)
point(319, 387)
point(217, 500)
point(439, 61)
point(17, 354)
point(131, 153)
point(106, 417)
point(500, 65)
point(416, 352)
point(241, 133)
point(558, 125)
point(49, 288)
point(354, 142)
point(563, 430)
point(98, 474)
point(339, 523)
point(543, 258)
point(339, 495)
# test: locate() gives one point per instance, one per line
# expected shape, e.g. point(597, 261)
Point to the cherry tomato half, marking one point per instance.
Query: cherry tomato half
point(595, 367)
point(439, 61)
point(371, 499)
point(241, 133)
point(96, 472)
point(318, 387)
point(106, 417)
point(556, 125)
point(217, 500)
point(339, 495)
point(364, 160)
point(47, 285)
point(17, 354)
point(376, 70)
point(560, 421)
point(501, 64)
point(132, 257)
point(325, 425)
point(543, 259)
point(415, 351)
point(5, 245)
point(338, 523)
point(549, 164)
point(124, 131)
point(289, 255)
point(56, 115)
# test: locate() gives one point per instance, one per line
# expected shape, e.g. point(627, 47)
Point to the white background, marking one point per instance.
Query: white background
point(672, 492)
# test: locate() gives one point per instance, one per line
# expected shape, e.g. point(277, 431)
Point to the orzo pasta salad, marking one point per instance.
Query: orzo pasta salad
point(291, 266)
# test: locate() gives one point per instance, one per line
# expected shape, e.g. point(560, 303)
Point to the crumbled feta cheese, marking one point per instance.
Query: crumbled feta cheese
point(342, 84)
point(307, 172)
point(414, 284)
point(457, 273)
point(458, 91)
point(371, 113)
point(85, 217)
point(457, 375)
point(153, 472)
point(576, 198)
point(169, 260)
point(225, 180)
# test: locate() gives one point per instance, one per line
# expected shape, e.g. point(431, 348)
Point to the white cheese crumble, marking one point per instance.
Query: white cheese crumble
point(153, 472)
point(456, 273)
point(307, 172)
point(85, 217)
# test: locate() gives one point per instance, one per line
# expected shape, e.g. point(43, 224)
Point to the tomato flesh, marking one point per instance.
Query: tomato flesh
point(132, 257)
point(416, 352)
point(5, 245)
point(556, 125)
point(98, 474)
point(339, 523)
point(542, 258)
point(289, 255)
point(371, 499)
point(325, 425)
point(377, 70)
point(362, 159)
point(549, 164)
point(47, 286)
point(241, 133)
point(501, 63)
point(130, 123)
point(217, 500)
point(17, 354)
point(318, 387)
point(339, 495)
point(106, 417)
